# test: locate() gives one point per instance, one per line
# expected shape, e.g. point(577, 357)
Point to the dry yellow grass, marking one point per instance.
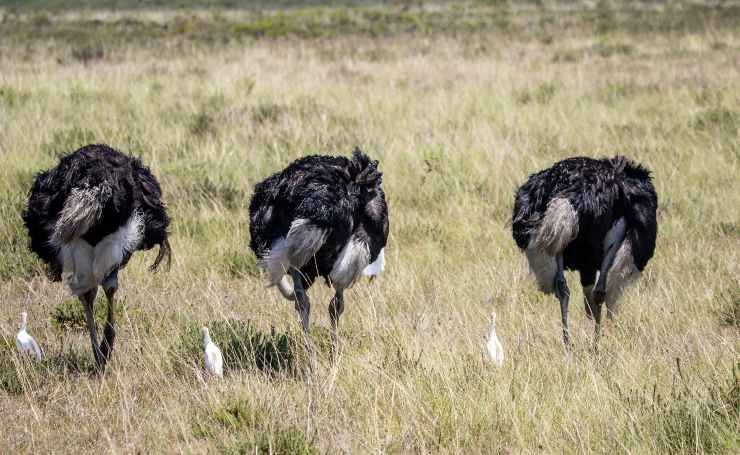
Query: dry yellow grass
point(458, 120)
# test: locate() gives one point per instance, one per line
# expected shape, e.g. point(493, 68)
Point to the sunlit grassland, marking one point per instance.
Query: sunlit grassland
point(459, 102)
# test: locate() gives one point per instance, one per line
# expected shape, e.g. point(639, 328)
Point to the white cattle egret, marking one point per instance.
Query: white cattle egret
point(495, 349)
point(25, 342)
point(213, 358)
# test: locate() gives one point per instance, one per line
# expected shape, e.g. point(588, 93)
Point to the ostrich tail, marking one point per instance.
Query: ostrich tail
point(304, 239)
point(619, 163)
point(364, 171)
point(285, 286)
point(558, 227)
point(81, 211)
point(164, 251)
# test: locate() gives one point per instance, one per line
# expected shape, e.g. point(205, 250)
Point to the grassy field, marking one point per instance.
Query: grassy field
point(460, 102)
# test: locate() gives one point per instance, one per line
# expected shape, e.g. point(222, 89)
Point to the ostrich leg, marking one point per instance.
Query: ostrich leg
point(110, 286)
point(88, 300)
point(593, 308)
point(336, 308)
point(563, 294)
point(302, 303)
point(612, 242)
point(596, 313)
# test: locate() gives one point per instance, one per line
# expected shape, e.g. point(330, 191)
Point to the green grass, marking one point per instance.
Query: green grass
point(460, 102)
point(243, 347)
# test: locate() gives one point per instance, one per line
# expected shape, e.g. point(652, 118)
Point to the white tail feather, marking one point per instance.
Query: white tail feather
point(111, 250)
point(542, 266)
point(353, 259)
point(85, 267)
point(622, 274)
point(81, 210)
point(558, 227)
point(285, 286)
point(377, 267)
point(304, 239)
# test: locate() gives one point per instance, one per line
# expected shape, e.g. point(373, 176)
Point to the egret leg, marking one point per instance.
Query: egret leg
point(88, 300)
point(563, 294)
point(110, 286)
point(336, 308)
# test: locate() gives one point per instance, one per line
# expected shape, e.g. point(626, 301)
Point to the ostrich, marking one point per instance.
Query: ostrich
point(322, 216)
point(86, 217)
point(594, 216)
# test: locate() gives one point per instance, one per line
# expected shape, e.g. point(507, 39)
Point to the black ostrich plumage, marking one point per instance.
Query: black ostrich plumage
point(86, 217)
point(595, 216)
point(601, 191)
point(127, 185)
point(343, 196)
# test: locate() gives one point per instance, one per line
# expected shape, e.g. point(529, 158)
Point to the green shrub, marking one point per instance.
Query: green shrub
point(237, 415)
point(229, 195)
point(568, 55)
point(20, 372)
point(16, 260)
point(243, 347)
point(718, 119)
point(607, 50)
point(88, 53)
point(10, 382)
point(729, 312)
point(13, 97)
point(238, 264)
point(268, 112)
point(688, 421)
point(690, 417)
point(284, 442)
point(69, 315)
point(543, 94)
point(203, 125)
point(613, 92)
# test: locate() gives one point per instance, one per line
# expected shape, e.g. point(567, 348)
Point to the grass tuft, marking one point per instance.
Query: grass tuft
point(67, 140)
point(244, 347)
point(88, 53)
point(729, 312)
point(283, 442)
point(718, 119)
point(21, 374)
point(69, 315)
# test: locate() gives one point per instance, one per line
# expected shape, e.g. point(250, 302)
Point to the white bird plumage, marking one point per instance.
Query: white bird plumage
point(25, 343)
point(495, 349)
point(376, 267)
point(213, 358)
